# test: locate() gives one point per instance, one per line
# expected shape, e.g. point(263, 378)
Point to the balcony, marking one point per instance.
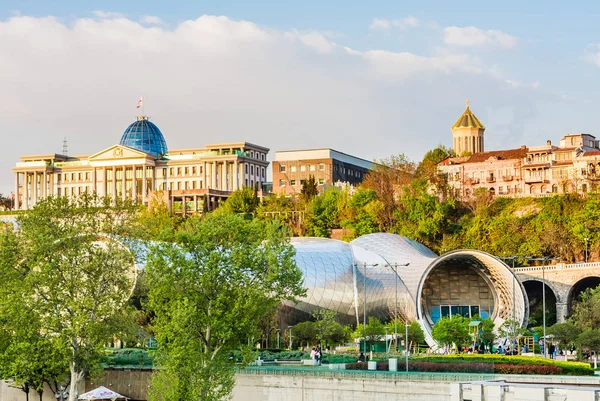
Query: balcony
point(491, 179)
point(472, 181)
point(507, 178)
point(536, 180)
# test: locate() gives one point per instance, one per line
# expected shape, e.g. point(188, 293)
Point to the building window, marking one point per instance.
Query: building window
point(312, 167)
point(282, 168)
point(179, 171)
point(321, 181)
point(193, 170)
point(321, 166)
point(87, 176)
point(303, 168)
point(302, 182)
point(78, 176)
point(164, 186)
point(193, 184)
point(58, 178)
point(292, 182)
point(282, 183)
point(164, 172)
point(252, 170)
point(186, 171)
point(171, 172)
point(178, 185)
point(293, 169)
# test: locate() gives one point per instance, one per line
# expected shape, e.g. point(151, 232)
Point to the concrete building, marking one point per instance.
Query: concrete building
point(190, 180)
point(571, 166)
point(292, 167)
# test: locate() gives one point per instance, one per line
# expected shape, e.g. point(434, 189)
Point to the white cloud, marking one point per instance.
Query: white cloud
point(380, 24)
point(407, 22)
point(592, 54)
point(403, 24)
point(471, 36)
point(107, 14)
point(151, 20)
point(214, 79)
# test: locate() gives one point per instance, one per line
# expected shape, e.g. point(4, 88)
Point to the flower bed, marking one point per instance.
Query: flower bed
point(469, 367)
point(567, 368)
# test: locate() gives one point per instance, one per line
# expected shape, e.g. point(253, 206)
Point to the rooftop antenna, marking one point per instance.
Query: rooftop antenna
point(65, 147)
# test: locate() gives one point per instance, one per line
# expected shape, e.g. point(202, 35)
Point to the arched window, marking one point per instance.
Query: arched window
point(532, 190)
point(554, 188)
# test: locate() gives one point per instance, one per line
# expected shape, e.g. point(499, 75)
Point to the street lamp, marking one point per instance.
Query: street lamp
point(365, 305)
point(544, 259)
point(61, 394)
point(406, 347)
point(396, 303)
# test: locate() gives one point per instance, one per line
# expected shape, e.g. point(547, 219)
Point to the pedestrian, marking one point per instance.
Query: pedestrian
point(361, 357)
point(318, 356)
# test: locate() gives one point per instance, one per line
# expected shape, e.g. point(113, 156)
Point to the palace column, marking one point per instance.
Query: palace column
point(124, 184)
point(236, 180)
point(16, 201)
point(94, 189)
point(204, 183)
point(34, 189)
point(144, 183)
point(114, 183)
point(44, 184)
point(242, 175)
point(134, 183)
point(213, 175)
point(224, 176)
point(25, 190)
point(104, 181)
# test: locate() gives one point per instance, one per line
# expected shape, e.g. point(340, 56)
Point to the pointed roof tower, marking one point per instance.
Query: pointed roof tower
point(468, 120)
point(467, 133)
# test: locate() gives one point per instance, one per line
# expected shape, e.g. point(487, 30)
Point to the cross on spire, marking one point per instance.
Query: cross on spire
point(467, 102)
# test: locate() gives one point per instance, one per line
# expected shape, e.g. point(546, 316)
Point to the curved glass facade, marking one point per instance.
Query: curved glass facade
point(368, 275)
point(145, 136)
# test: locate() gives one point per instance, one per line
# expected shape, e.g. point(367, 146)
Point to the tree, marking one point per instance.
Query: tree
point(590, 340)
point(373, 332)
point(208, 291)
point(564, 333)
point(305, 332)
point(242, 201)
point(326, 328)
point(415, 333)
point(6, 202)
point(586, 314)
point(309, 188)
point(448, 331)
point(72, 275)
point(386, 180)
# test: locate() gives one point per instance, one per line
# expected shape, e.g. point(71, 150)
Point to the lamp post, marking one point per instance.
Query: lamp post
point(514, 309)
point(365, 305)
point(61, 394)
point(278, 330)
point(544, 259)
point(406, 347)
point(396, 304)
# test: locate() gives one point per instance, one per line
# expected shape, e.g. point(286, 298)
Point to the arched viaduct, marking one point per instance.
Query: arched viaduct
point(565, 281)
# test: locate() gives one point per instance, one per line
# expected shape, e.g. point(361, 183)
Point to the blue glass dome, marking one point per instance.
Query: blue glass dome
point(145, 136)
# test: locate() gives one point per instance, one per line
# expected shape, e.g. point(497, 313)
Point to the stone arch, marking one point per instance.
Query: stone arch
point(533, 289)
point(579, 287)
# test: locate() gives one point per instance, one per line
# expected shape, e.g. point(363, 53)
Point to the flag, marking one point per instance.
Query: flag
point(140, 103)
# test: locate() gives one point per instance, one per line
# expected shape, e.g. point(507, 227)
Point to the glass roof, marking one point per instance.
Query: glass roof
point(143, 135)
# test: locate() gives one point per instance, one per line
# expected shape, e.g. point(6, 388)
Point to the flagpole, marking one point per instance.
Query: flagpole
point(143, 114)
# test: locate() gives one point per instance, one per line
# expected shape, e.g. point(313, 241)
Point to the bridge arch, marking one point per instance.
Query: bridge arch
point(579, 287)
point(533, 288)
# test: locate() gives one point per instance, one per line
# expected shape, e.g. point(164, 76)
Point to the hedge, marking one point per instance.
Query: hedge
point(568, 368)
point(468, 367)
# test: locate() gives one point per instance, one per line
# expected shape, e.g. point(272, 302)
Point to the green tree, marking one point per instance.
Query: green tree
point(305, 333)
point(448, 331)
point(415, 333)
point(309, 188)
point(208, 291)
point(586, 313)
point(326, 328)
point(72, 275)
point(373, 332)
point(589, 340)
point(242, 201)
point(156, 222)
point(324, 213)
point(564, 333)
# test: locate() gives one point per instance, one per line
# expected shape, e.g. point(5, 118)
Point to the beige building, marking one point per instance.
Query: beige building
point(190, 180)
point(571, 166)
point(329, 167)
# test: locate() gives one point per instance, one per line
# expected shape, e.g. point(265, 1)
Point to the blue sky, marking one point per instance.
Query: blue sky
point(370, 78)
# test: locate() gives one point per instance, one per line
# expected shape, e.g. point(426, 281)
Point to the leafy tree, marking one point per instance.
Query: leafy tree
point(362, 211)
point(589, 340)
point(415, 333)
point(386, 180)
point(305, 332)
point(564, 333)
point(448, 331)
point(242, 201)
point(69, 279)
point(156, 222)
point(208, 291)
point(373, 332)
point(324, 213)
point(511, 329)
point(326, 328)
point(309, 188)
point(586, 314)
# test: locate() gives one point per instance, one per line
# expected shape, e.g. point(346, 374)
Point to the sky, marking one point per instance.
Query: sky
point(372, 79)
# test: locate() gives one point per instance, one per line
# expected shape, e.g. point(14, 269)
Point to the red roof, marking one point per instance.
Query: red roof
point(509, 154)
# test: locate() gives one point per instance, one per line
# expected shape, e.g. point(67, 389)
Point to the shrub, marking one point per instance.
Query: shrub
point(512, 369)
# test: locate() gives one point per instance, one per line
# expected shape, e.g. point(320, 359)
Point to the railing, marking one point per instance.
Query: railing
point(507, 178)
point(536, 180)
point(558, 266)
point(32, 164)
point(69, 164)
point(491, 179)
point(473, 180)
